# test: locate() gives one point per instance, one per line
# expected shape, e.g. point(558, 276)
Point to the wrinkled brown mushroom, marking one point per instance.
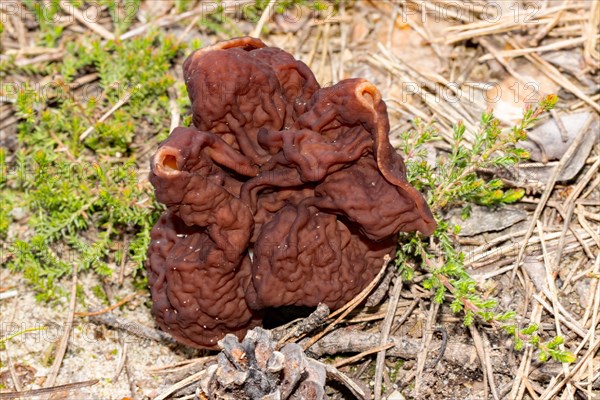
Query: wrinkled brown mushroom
point(302, 177)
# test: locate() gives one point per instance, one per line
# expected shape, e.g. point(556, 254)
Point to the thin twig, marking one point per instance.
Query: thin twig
point(357, 357)
point(478, 342)
point(110, 112)
point(306, 325)
point(64, 341)
point(570, 324)
point(121, 363)
point(426, 343)
point(180, 366)
point(128, 372)
point(333, 372)
point(489, 367)
point(132, 327)
point(595, 272)
point(50, 390)
point(108, 309)
point(11, 365)
point(595, 320)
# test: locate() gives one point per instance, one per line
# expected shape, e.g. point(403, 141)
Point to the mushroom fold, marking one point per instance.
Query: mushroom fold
point(282, 193)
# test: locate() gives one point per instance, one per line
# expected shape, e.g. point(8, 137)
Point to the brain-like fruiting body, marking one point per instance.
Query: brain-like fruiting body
point(282, 193)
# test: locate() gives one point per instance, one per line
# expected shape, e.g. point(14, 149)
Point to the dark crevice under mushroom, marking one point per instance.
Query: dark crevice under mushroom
point(302, 177)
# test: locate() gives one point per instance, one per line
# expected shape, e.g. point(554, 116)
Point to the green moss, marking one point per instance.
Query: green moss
point(100, 294)
point(85, 196)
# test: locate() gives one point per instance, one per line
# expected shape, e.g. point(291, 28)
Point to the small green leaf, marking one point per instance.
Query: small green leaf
point(465, 213)
point(564, 357)
point(530, 329)
point(513, 195)
point(519, 344)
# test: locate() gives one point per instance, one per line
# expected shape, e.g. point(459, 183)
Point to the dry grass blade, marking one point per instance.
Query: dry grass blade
point(518, 388)
point(595, 273)
point(13, 372)
point(590, 52)
point(554, 74)
point(385, 331)
point(96, 27)
point(553, 390)
point(485, 255)
point(383, 311)
point(163, 22)
point(595, 320)
point(11, 366)
point(181, 384)
point(507, 23)
point(343, 40)
point(564, 161)
point(365, 292)
point(44, 58)
point(570, 203)
point(546, 29)
point(521, 52)
point(447, 111)
point(581, 214)
point(266, 15)
point(457, 10)
point(486, 366)
point(495, 54)
point(553, 298)
point(128, 372)
point(566, 321)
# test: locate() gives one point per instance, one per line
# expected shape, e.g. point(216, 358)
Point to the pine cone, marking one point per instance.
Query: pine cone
point(253, 369)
